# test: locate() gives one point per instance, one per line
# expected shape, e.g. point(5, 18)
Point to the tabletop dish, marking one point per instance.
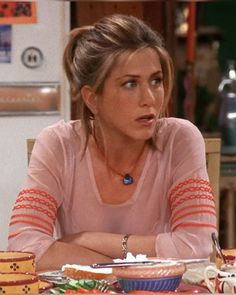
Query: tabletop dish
point(195, 272)
point(229, 256)
point(44, 286)
point(55, 276)
point(17, 261)
point(165, 276)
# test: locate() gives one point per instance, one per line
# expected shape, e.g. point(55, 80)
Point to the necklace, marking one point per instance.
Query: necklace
point(127, 178)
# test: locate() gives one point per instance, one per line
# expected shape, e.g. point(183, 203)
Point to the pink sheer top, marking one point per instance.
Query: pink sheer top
point(173, 198)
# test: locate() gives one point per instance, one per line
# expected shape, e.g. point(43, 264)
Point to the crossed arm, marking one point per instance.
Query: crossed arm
point(90, 247)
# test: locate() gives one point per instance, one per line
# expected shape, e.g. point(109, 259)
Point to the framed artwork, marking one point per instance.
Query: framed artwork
point(5, 43)
point(17, 12)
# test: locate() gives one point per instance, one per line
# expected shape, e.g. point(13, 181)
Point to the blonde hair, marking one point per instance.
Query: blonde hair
point(91, 52)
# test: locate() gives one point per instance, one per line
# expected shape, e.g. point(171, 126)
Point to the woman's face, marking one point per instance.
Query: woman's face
point(132, 97)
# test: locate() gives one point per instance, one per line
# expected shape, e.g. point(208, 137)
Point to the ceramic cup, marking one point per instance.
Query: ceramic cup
point(219, 281)
point(228, 268)
point(16, 261)
point(229, 255)
point(18, 283)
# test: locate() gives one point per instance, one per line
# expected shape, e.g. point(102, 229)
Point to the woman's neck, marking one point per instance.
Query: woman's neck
point(120, 163)
point(118, 150)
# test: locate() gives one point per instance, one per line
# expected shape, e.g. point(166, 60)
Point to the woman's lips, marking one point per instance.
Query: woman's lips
point(146, 119)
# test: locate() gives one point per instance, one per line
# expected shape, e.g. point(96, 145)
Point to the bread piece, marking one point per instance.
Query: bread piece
point(77, 272)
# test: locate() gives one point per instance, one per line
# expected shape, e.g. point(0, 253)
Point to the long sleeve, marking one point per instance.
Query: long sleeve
point(191, 202)
point(34, 213)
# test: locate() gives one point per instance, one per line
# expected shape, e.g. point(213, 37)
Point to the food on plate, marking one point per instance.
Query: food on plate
point(131, 258)
point(157, 270)
point(77, 271)
point(81, 287)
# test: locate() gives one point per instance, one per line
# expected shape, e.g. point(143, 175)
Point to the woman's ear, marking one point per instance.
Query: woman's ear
point(89, 98)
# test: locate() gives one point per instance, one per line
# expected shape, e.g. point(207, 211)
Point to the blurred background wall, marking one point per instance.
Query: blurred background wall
point(16, 83)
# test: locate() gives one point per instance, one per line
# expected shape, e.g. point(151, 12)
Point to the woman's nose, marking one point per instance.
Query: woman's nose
point(147, 96)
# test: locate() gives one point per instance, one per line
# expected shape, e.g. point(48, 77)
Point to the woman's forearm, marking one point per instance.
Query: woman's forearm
point(109, 244)
point(60, 253)
point(142, 244)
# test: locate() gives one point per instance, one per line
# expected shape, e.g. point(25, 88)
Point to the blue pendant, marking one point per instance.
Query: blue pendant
point(128, 179)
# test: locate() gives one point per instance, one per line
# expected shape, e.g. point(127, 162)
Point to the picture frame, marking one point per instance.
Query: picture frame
point(5, 43)
point(18, 12)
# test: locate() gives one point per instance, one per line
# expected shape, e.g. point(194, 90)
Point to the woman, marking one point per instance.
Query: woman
point(123, 177)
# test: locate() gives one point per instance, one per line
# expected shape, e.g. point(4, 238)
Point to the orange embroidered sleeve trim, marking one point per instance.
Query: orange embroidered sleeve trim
point(193, 213)
point(39, 192)
point(32, 216)
point(192, 197)
point(37, 200)
point(190, 189)
point(13, 235)
point(187, 182)
point(193, 206)
point(37, 208)
point(205, 189)
point(30, 222)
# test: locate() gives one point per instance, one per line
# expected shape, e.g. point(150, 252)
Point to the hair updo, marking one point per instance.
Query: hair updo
point(91, 52)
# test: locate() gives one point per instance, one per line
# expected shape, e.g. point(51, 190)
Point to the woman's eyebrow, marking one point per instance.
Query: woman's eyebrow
point(159, 72)
point(127, 76)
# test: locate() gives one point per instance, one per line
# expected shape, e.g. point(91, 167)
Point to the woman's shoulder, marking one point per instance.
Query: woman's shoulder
point(62, 129)
point(179, 131)
point(177, 122)
point(179, 126)
point(63, 135)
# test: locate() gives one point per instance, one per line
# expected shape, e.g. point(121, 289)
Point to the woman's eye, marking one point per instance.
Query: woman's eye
point(129, 84)
point(157, 81)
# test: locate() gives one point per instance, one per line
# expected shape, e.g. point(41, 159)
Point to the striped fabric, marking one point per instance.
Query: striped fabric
point(188, 200)
point(33, 208)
